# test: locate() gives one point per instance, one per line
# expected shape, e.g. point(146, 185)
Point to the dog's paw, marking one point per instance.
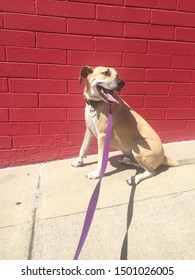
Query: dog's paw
point(132, 181)
point(77, 163)
point(93, 175)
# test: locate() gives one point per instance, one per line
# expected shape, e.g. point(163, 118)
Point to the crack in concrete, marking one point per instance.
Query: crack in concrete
point(121, 204)
point(9, 226)
point(37, 197)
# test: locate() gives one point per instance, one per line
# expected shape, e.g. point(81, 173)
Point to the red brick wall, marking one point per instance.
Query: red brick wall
point(44, 43)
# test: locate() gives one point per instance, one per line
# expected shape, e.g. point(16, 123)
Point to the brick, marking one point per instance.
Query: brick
point(113, 2)
point(3, 115)
point(95, 28)
point(147, 31)
point(120, 45)
point(145, 88)
point(135, 101)
point(18, 70)
point(124, 14)
point(167, 102)
point(2, 54)
point(173, 18)
point(131, 74)
point(58, 71)
point(38, 86)
point(17, 38)
point(193, 76)
point(172, 48)
point(168, 75)
point(151, 114)
point(75, 114)
point(182, 114)
point(23, 6)
point(19, 128)
point(75, 139)
point(75, 87)
point(182, 89)
point(94, 58)
point(1, 20)
point(65, 9)
point(3, 85)
point(171, 125)
point(61, 101)
point(193, 102)
point(160, 4)
point(40, 141)
point(35, 23)
point(18, 100)
point(14, 157)
point(37, 115)
point(183, 62)
point(185, 34)
point(5, 142)
point(63, 127)
point(36, 55)
point(186, 5)
point(146, 60)
point(169, 136)
point(191, 126)
point(64, 41)
point(34, 155)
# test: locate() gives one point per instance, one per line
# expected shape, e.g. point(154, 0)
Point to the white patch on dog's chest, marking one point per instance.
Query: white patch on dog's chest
point(91, 118)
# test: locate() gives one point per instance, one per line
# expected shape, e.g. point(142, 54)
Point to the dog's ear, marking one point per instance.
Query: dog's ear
point(85, 71)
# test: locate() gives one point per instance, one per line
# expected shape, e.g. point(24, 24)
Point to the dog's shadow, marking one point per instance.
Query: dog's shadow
point(125, 245)
point(89, 163)
point(119, 167)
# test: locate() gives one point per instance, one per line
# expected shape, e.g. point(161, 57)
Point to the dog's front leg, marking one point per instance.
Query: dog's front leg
point(96, 174)
point(83, 151)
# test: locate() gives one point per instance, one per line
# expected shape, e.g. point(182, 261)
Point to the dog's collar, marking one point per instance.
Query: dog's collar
point(92, 103)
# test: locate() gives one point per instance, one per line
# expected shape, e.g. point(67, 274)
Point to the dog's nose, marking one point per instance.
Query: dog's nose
point(121, 84)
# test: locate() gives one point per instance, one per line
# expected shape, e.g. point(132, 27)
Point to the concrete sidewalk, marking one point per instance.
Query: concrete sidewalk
point(42, 209)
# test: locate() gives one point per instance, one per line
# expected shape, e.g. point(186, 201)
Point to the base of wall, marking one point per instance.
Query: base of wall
point(12, 158)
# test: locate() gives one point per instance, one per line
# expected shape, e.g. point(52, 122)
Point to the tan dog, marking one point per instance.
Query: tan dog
point(131, 134)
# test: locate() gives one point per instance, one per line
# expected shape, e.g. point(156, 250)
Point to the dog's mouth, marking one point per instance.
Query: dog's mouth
point(106, 94)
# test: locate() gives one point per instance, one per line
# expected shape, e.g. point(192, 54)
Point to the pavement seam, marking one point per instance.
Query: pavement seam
point(7, 226)
point(174, 194)
point(37, 197)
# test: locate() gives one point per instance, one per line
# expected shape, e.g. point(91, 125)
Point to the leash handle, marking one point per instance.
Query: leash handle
point(94, 198)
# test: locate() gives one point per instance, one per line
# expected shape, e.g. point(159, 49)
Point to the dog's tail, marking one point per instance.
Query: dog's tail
point(173, 162)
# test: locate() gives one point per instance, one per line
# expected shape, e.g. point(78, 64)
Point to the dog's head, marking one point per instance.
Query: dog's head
point(101, 82)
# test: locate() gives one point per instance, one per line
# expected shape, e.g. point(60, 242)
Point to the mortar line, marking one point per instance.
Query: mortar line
point(31, 244)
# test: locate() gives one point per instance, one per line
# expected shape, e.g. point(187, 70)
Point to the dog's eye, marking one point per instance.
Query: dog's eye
point(106, 73)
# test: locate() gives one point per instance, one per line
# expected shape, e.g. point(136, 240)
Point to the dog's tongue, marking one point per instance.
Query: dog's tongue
point(111, 98)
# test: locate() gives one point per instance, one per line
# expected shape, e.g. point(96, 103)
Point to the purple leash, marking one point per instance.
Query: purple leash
point(94, 198)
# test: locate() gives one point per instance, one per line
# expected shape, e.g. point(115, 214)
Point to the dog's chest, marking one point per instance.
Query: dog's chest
point(91, 118)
